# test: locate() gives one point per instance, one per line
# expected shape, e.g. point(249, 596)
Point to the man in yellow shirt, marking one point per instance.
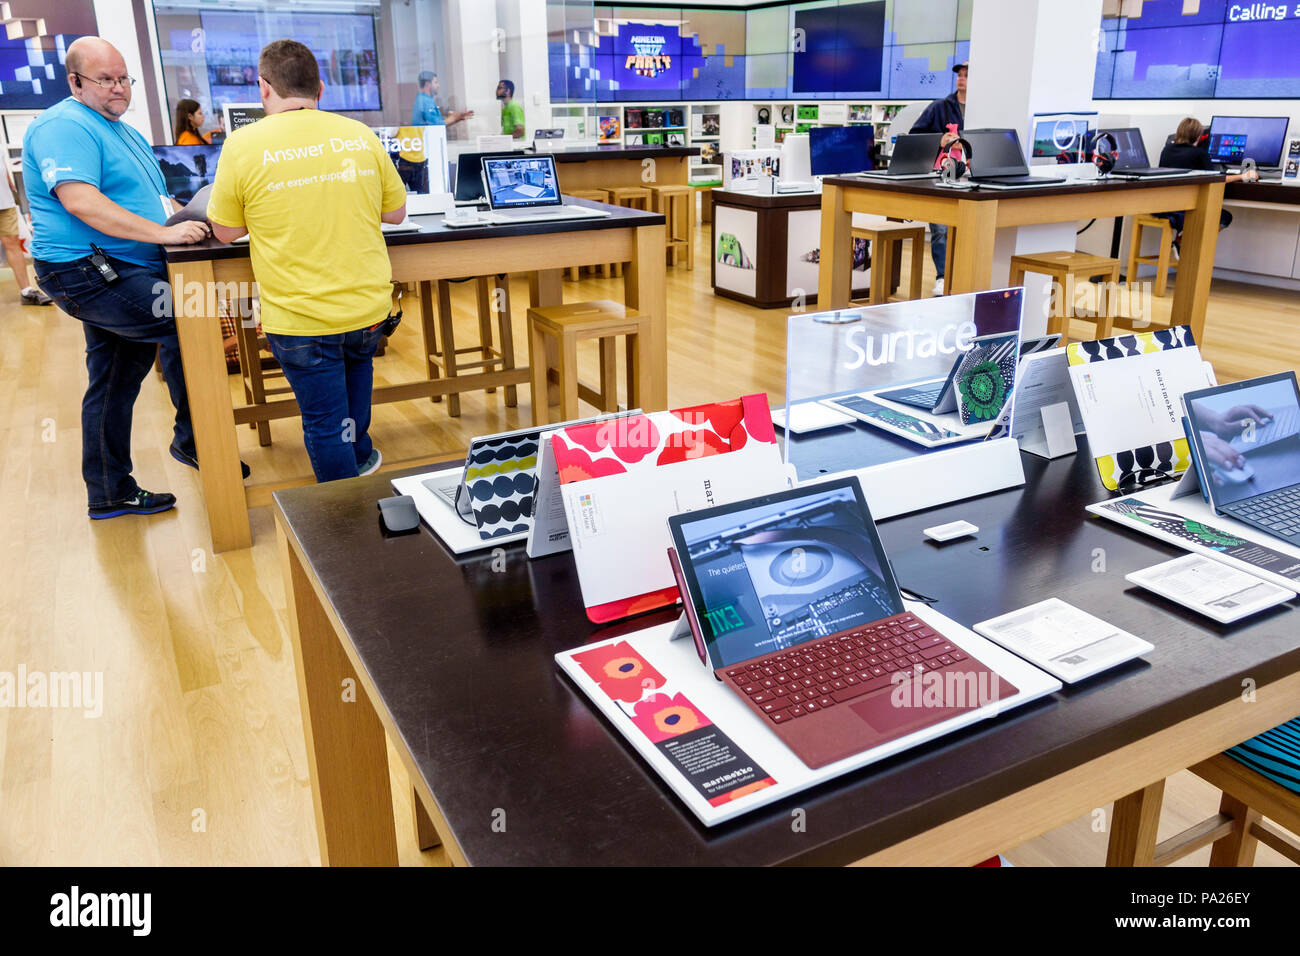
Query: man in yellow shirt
point(310, 189)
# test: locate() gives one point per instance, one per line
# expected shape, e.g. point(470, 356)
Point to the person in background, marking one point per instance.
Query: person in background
point(310, 189)
point(99, 207)
point(1188, 151)
point(13, 245)
point(946, 116)
point(426, 112)
point(512, 114)
point(189, 122)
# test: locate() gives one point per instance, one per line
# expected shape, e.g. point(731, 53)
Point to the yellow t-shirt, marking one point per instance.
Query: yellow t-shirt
point(411, 137)
point(309, 186)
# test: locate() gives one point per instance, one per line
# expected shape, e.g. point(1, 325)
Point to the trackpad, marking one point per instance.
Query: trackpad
point(931, 699)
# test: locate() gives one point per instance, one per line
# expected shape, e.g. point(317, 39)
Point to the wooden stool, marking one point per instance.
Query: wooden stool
point(633, 197)
point(677, 204)
point(1235, 832)
point(251, 373)
point(553, 335)
point(887, 240)
point(1160, 260)
point(1066, 268)
point(594, 195)
point(445, 361)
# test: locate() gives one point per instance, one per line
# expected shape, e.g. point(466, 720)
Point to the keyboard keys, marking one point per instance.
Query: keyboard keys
point(779, 716)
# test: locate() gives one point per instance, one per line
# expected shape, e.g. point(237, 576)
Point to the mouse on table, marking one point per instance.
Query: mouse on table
point(398, 514)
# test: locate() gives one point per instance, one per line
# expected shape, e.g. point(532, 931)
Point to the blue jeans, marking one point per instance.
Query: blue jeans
point(331, 376)
point(125, 323)
point(938, 246)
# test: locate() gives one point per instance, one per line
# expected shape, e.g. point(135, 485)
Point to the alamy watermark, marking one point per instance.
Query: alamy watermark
point(193, 298)
point(60, 690)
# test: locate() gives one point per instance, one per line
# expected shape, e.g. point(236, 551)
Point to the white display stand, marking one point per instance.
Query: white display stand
point(451, 529)
point(939, 478)
point(686, 677)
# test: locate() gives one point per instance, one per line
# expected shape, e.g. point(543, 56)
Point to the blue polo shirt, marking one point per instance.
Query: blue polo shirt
point(70, 142)
point(426, 112)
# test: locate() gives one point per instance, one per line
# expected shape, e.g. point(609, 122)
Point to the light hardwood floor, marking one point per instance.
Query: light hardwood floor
point(198, 757)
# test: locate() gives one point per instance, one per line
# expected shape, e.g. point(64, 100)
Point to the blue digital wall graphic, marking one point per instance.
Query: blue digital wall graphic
point(846, 50)
point(1217, 49)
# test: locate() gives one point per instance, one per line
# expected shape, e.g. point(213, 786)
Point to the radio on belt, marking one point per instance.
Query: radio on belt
point(950, 531)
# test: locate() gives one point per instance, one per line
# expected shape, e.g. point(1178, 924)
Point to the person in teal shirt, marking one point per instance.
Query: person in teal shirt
point(426, 112)
point(512, 114)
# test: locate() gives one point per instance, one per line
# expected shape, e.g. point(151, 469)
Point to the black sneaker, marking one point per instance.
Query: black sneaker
point(193, 462)
point(143, 503)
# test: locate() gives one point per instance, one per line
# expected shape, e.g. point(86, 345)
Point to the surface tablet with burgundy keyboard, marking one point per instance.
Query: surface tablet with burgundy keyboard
point(795, 608)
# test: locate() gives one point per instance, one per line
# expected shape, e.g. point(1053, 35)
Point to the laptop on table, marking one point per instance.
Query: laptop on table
point(527, 189)
point(998, 162)
point(1258, 422)
point(913, 157)
point(1131, 158)
point(794, 606)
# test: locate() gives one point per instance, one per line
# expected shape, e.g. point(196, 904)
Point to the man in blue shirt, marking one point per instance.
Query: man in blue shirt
point(99, 203)
point(426, 112)
point(946, 115)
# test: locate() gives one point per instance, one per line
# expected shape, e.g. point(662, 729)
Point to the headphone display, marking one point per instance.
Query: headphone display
point(952, 169)
point(764, 116)
point(1104, 162)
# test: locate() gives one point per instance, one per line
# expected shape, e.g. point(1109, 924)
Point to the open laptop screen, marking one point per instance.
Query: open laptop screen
point(776, 571)
point(187, 169)
point(521, 182)
point(996, 152)
point(1247, 436)
point(1131, 149)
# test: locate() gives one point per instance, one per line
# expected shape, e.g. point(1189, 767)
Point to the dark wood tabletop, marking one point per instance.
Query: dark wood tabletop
point(1272, 191)
point(761, 199)
point(460, 651)
point(434, 229)
point(930, 187)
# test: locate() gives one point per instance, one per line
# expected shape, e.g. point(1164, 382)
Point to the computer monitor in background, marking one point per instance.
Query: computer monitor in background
point(420, 155)
point(838, 150)
point(1264, 138)
point(1062, 139)
point(187, 169)
point(796, 159)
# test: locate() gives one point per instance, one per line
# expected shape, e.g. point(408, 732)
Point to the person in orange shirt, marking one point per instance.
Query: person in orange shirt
point(189, 120)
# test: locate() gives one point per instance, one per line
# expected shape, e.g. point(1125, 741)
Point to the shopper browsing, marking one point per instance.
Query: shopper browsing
point(187, 130)
point(99, 201)
point(309, 189)
point(1188, 151)
point(947, 116)
point(512, 114)
point(426, 112)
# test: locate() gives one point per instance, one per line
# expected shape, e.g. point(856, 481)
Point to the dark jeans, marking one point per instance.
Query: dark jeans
point(938, 246)
point(125, 323)
point(1225, 219)
point(331, 376)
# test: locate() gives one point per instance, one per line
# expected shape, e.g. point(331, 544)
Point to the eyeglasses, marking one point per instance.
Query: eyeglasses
point(126, 82)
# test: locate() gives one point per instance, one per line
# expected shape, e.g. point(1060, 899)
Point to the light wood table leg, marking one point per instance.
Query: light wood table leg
point(972, 258)
point(919, 251)
point(507, 333)
point(539, 364)
point(429, 333)
point(346, 751)
point(568, 378)
point(1133, 825)
point(645, 289)
point(545, 287)
point(484, 293)
point(834, 275)
point(215, 439)
point(426, 834)
point(1196, 260)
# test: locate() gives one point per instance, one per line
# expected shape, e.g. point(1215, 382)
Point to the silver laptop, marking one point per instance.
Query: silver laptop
point(913, 157)
point(998, 162)
point(527, 189)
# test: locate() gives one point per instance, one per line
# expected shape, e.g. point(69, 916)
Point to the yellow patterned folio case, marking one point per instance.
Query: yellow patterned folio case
point(1130, 388)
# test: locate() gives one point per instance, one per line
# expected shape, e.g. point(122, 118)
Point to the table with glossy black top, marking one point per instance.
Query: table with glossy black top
point(203, 274)
point(452, 658)
point(974, 217)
